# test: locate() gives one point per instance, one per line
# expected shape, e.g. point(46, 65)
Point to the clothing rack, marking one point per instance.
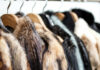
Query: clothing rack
point(93, 7)
point(49, 35)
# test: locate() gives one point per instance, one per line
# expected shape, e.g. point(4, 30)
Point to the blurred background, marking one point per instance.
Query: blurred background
point(77, 0)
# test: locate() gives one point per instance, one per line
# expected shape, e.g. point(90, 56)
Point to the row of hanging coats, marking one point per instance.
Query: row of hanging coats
point(50, 41)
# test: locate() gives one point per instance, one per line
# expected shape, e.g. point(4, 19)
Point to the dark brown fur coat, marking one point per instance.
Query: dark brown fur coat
point(30, 41)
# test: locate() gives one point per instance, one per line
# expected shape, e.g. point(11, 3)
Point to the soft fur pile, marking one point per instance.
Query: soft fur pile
point(87, 16)
point(5, 57)
point(53, 56)
point(68, 43)
point(91, 40)
point(18, 56)
point(29, 39)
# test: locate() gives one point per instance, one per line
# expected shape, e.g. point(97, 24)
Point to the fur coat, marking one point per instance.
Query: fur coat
point(91, 40)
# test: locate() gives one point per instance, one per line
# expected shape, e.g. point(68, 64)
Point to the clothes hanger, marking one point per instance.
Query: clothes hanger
point(45, 21)
point(9, 20)
point(65, 18)
point(36, 18)
point(45, 6)
point(2, 26)
point(20, 14)
point(61, 15)
point(32, 16)
point(68, 19)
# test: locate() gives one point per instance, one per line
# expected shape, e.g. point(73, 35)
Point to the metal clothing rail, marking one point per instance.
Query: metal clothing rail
point(40, 6)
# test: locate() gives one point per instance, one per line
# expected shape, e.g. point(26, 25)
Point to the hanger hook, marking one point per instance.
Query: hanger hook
point(34, 5)
point(21, 6)
point(8, 6)
point(45, 5)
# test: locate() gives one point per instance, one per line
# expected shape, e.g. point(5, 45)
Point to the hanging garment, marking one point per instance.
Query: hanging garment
point(60, 32)
point(29, 39)
point(18, 56)
point(88, 17)
point(53, 56)
point(69, 43)
point(96, 27)
point(68, 21)
point(57, 30)
point(97, 37)
point(91, 41)
point(5, 57)
point(85, 57)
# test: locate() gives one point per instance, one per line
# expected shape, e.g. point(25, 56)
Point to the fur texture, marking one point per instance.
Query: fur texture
point(53, 56)
point(70, 53)
point(68, 21)
point(68, 43)
point(87, 16)
point(97, 37)
point(18, 56)
point(46, 23)
point(5, 57)
point(91, 40)
point(29, 39)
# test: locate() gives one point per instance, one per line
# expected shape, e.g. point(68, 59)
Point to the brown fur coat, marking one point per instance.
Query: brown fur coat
point(53, 56)
point(29, 39)
point(15, 54)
